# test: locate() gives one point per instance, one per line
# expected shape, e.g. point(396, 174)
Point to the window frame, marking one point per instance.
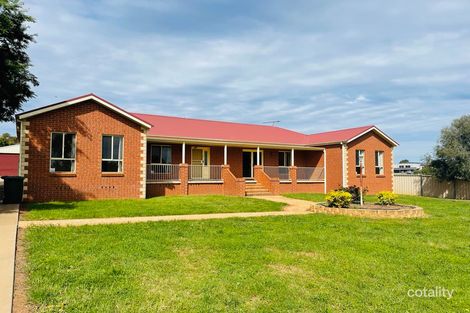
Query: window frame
point(380, 168)
point(286, 157)
point(161, 153)
point(112, 154)
point(358, 162)
point(74, 159)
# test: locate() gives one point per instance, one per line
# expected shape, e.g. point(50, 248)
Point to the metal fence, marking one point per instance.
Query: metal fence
point(281, 172)
point(205, 172)
point(310, 173)
point(162, 172)
point(429, 186)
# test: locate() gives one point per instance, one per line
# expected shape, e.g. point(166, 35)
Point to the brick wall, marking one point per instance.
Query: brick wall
point(334, 171)
point(370, 143)
point(89, 121)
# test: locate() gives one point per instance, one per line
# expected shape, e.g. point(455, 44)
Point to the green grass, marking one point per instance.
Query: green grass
point(312, 263)
point(174, 205)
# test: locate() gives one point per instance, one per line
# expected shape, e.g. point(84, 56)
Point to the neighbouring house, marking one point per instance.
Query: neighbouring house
point(407, 168)
point(9, 160)
point(89, 148)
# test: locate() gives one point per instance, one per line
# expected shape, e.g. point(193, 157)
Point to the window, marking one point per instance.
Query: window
point(111, 154)
point(284, 158)
point(160, 154)
point(62, 153)
point(379, 162)
point(360, 161)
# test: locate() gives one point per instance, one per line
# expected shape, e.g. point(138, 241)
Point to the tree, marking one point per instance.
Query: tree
point(452, 154)
point(404, 161)
point(6, 140)
point(16, 81)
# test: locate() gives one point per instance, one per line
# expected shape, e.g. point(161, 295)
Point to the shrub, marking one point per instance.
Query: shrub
point(338, 199)
point(355, 192)
point(387, 198)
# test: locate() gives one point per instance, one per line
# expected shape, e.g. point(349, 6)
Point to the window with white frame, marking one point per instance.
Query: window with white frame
point(111, 154)
point(160, 154)
point(360, 162)
point(379, 162)
point(62, 152)
point(284, 158)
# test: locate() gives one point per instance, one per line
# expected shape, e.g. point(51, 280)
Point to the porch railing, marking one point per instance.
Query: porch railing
point(205, 172)
point(310, 173)
point(162, 172)
point(281, 172)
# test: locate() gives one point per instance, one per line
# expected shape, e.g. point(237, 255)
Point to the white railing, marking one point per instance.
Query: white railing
point(163, 172)
point(205, 172)
point(310, 173)
point(281, 172)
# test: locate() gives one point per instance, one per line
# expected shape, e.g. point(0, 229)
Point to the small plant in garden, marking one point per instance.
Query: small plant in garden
point(338, 199)
point(355, 192)
point(387, 198)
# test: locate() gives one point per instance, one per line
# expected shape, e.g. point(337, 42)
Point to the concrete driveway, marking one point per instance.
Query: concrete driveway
point(8, 231)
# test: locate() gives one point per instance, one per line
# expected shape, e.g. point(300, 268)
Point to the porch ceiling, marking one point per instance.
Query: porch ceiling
point(254, 145)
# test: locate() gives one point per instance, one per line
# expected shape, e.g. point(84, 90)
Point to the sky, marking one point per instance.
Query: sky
point(312, 65)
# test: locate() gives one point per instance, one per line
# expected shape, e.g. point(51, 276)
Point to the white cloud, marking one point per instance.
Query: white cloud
point(314, 66)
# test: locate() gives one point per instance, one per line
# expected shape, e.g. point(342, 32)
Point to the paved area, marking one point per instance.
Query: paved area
point(294, 207)
point(140, 219)
point(8, 230)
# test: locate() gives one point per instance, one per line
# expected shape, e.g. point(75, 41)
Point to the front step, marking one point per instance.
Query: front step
point(256, 189)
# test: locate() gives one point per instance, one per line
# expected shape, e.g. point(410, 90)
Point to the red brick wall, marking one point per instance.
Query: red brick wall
point(370, 143)
point(334, 171)
point(89, 121)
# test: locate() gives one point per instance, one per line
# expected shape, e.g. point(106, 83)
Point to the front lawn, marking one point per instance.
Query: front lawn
point(309, 263)
point(174, 205)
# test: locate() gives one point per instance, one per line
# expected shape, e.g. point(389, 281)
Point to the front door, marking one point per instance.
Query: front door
point(200, 159)
point(249, 160)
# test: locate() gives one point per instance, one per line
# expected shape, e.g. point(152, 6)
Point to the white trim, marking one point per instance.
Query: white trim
point(74, 159)
point(121, 159)
point(225, 155)
point(344, 165)
point(257, 156)
point(81, 99)
point(324, 166)
point(292, 158)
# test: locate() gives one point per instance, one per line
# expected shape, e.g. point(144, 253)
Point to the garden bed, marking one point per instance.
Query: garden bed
point(373, 210)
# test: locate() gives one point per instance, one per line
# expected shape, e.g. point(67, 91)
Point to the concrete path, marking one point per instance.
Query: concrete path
point(294, 207)
point(8, 230)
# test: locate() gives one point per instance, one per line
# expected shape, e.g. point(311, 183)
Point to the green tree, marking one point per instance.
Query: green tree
point(404, 161)
point(6, 140)
point(452, 154)
point(16, 81)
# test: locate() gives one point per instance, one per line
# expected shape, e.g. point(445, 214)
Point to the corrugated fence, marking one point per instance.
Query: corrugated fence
point(426, 185)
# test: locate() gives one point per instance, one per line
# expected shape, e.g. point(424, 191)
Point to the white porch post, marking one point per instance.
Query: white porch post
point(324, 169)
point(183, 153)
point(225, 155)
point(292, 157)
point(257, 156)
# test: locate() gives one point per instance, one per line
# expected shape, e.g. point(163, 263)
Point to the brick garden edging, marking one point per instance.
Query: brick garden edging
point(406, 212)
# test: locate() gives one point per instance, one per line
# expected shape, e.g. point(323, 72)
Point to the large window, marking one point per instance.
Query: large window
point(379, 162)
point(62, 153)
point(111, 154)
point(160, 154)
point(360, 162)
point(284, 158)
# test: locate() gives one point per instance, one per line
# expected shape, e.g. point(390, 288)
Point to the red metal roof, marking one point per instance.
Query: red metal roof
point(189, 128)
point(342, 135)
point(168, 126)
point(177, 127)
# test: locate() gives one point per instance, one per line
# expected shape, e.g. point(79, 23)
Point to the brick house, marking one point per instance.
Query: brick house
point(88, 148)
